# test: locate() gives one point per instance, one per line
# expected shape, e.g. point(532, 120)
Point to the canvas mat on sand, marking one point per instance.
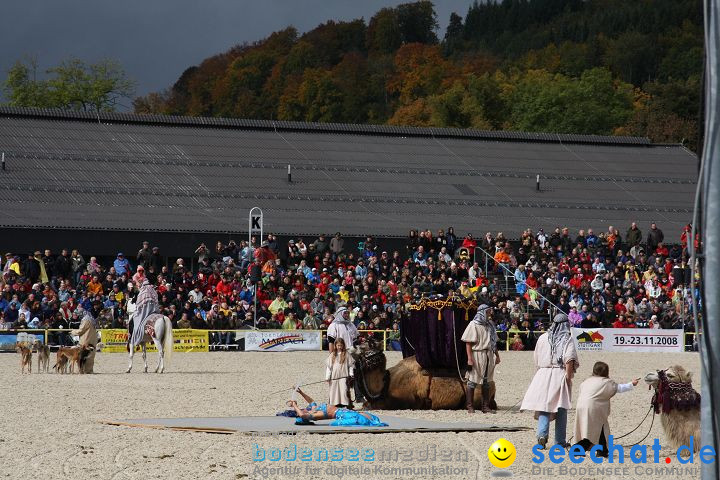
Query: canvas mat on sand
point(280, 425)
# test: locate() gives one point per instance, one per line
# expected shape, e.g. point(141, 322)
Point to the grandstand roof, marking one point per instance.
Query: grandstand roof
point(156, 173)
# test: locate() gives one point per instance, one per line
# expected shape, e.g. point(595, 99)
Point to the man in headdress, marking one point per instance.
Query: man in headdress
point(480, 339)
point(145, 305)
point(88, 342)
point(550, 392)
point(341, 327)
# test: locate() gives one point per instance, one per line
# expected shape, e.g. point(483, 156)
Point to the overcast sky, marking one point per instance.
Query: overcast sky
point(156, 40)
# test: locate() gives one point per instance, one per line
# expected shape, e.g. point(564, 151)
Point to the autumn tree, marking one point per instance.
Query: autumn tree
point(419, 72)
point(417, 114)
point(153, 103)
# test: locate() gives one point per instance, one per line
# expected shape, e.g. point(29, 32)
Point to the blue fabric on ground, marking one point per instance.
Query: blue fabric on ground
point(351, 418)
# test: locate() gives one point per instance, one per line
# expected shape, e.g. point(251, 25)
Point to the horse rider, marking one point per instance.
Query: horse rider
point(146, 304)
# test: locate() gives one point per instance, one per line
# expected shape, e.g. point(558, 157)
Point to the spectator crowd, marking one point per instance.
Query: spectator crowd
point(608, 279)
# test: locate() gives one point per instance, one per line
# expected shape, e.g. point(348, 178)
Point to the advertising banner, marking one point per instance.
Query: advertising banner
point(283, 341)
point(186, 340)
point(627, 340)
point(114, 340)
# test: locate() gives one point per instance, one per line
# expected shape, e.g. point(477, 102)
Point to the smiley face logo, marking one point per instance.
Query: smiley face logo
point(502, 453)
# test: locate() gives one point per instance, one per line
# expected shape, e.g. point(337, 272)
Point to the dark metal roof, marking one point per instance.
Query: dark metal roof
point(134, 172)
point(215, 122)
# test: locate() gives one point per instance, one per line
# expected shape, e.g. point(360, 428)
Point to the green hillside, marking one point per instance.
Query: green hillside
point(569, 66)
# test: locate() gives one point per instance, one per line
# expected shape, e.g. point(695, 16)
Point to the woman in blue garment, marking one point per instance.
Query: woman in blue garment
point(323, 411)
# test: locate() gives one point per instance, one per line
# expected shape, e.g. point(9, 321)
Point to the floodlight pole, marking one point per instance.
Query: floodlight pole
point(255, 223)
point(708, 259)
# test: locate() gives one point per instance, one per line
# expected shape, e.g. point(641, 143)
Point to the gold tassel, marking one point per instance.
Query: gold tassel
point(467, 314)
point(439, 314)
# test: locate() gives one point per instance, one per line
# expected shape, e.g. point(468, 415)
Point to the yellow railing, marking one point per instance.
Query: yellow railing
point(511, 333)
point(360, 332)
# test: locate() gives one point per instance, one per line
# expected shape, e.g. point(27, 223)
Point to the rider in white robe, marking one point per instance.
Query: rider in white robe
point(146, 304)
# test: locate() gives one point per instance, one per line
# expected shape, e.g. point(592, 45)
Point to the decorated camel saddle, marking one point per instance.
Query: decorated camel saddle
point(433, 332)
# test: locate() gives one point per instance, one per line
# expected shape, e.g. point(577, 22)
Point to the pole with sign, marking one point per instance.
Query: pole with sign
point(255, 225)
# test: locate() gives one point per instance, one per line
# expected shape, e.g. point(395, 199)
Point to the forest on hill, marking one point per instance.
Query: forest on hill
point(607, 67)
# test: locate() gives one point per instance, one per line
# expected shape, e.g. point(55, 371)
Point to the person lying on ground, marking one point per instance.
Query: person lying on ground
point(323, 411)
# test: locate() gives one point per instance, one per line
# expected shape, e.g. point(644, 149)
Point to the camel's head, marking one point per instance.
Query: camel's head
point(365, 346)
point(370, 370)
point(368, 356)
point(674, 374)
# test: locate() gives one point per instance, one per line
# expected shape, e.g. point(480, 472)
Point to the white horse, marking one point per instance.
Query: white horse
point(163, 338)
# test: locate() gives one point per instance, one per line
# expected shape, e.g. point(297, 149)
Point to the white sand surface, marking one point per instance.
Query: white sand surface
point(51, 423)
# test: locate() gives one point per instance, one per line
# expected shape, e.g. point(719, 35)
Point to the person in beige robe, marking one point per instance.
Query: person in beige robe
point(339, 373)
point(593, 408)
point(480, 340)
point(88, 337)
point(550, 392)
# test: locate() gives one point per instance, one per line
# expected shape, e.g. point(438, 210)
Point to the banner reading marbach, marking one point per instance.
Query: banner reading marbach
point(283, 341)
point(628, 340)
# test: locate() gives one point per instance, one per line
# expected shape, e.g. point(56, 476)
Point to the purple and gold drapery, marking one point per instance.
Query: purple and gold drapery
point(433, 330)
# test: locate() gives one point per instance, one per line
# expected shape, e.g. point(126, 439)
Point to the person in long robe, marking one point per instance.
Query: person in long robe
point(146, 304)
point(593, 408)
point(339, 373)
point(550, 392)
point(88, 341)
point(480, 337)
point(343, 327)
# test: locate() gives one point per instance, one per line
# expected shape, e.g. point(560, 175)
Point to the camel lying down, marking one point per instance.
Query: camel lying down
point(409, 386)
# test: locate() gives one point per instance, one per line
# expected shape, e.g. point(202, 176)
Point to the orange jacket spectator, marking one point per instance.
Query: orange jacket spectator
point(502, 257)
point(611, 239)
point(269, 267)
point(94, 287)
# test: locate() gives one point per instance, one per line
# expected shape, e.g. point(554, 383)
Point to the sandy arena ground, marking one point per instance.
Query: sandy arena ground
point(51, 423)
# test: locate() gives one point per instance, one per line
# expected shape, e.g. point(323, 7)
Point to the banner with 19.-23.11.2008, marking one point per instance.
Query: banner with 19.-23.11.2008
point(628, 340)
